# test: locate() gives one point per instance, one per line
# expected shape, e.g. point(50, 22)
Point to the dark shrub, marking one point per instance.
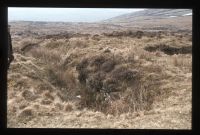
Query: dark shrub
point(128, 33)
point(95, 82)
point(108, 66)
point(110, 85)
point(83, 74)
point(169, 50)
point(57, 78)
point(107, 51)
point(29, 46)
point(98, 61)
point(123, 73)
point(139, 34)
point(83, 64)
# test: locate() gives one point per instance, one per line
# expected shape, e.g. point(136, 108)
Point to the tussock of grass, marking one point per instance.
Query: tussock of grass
point(98, 85)
point(49, 57)
point(91, 77)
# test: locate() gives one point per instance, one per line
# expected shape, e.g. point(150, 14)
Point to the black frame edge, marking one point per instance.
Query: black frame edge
point(3, 67)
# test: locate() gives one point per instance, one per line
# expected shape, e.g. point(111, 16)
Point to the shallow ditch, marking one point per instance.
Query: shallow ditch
point(169, 50)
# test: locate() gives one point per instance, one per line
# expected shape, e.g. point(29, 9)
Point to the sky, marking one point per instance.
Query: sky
point(65, 14)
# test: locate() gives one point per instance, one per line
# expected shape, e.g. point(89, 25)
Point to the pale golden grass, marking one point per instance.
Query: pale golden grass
point(57, 100)
point(118, 107)
point(180, 61)
point(23, 42)
point(46, 55)
point(78, 43)
point(55, 44)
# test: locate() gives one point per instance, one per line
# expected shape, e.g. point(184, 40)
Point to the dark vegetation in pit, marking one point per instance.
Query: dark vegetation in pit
point(134, 34)
point(169, 50)
point(106, 82)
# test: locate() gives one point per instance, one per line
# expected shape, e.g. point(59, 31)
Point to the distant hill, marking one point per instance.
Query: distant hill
point(155, 19)
point(146, 20)
point(150, 14)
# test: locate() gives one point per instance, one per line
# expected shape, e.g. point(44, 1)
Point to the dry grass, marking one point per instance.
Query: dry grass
point(48, 95)
point(55, 44)
point(99, 84)
point(74, 80)
point(28, 95)
point(78, 43)
point(179, 61)
point(68, 107)
point(118, 107)
point(46, 55)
